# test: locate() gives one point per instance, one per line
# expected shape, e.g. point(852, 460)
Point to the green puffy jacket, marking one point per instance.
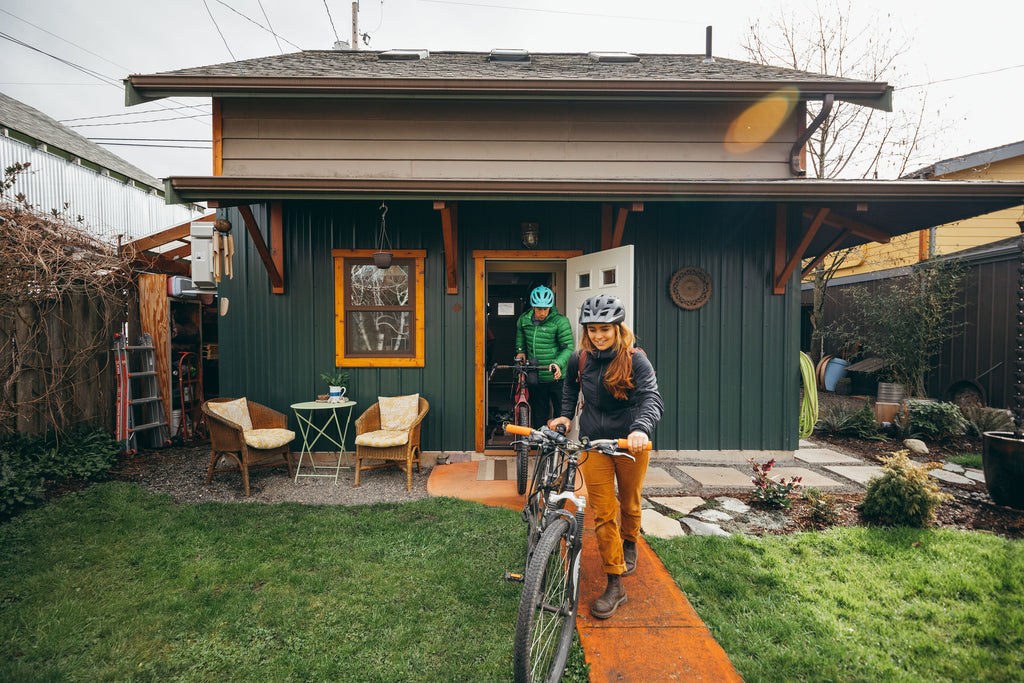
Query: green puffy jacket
point(549, 342)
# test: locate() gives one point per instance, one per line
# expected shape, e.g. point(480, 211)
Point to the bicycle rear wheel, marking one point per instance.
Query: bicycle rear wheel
point(547, 611)
point(523, 419)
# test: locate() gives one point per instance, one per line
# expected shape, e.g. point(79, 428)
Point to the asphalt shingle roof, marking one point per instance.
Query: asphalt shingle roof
point(18, 116)
point(477, 65)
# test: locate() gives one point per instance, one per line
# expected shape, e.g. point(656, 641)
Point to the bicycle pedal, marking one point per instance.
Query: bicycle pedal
point(513, 577)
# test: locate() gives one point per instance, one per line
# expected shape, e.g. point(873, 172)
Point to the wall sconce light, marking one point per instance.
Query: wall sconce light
point(530, 234)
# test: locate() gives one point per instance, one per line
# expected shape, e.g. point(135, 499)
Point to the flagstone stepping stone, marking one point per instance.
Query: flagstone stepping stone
point(683, 504)
point(699, 528)
point(858, 473)
point(719, 476)
point(808, 477)
point(953, 467)
point(951, 477)
point(976, 475)
point(823, 456)
point(733, 504)
point(713, 515)
point(657, 477)
point(656, 524)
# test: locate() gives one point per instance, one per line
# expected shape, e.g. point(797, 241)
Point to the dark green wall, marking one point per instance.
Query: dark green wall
point(728, 372)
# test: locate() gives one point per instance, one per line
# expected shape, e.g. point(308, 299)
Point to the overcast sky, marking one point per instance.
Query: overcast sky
point(67, 57)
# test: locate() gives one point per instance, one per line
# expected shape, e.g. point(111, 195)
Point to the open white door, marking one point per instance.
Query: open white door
point(603, 272)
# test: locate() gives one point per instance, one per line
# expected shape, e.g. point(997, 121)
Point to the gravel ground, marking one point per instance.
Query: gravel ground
point(180, 472)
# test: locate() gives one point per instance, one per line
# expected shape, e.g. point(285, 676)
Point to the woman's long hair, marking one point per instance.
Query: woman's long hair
point(619, 377)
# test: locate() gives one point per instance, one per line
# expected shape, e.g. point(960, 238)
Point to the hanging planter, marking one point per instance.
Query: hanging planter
point(382, 257)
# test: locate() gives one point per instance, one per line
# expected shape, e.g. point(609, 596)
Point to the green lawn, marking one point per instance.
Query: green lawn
point(114, 583)
point(859, 604)
point(117, 584)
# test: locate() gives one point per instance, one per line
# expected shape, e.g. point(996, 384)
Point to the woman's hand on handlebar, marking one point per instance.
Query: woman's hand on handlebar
point(637, 443)
point(564, 421)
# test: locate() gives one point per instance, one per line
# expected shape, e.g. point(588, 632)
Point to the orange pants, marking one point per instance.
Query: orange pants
point(600, 473)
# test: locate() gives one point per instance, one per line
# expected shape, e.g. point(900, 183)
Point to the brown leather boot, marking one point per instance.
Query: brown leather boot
point(629, 553)
point(614, 595)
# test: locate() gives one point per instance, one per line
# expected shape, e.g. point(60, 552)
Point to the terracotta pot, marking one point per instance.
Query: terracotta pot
point(1003, 460)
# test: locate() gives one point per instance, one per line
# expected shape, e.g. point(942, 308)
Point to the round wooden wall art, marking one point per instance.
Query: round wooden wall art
point(690, 288)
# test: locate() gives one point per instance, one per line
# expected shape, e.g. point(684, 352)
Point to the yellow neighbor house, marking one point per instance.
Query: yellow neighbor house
point(999, 163)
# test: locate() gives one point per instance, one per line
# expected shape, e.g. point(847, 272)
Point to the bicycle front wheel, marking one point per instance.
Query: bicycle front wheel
point(547, 611)
point(523, 419)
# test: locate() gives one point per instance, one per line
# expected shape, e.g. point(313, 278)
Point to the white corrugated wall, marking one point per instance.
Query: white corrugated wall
point(109, 207)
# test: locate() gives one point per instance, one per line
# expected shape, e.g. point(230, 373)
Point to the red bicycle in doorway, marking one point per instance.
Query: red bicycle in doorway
point(521, 415)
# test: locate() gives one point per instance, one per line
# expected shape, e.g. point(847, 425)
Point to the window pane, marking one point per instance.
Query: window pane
point(608, 277)
point(384, 331)
point(371, 286)
point(583, 281)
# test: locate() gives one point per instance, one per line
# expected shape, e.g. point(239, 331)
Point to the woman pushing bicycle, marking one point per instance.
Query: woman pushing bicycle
point(620, 396)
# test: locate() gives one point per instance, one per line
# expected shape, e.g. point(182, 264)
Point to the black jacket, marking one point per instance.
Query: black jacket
point(604, 416)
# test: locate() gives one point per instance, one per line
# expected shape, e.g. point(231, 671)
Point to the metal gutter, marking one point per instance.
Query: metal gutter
point(144, 88)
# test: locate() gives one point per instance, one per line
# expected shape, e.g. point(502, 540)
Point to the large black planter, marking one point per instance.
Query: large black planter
point(1003, 458)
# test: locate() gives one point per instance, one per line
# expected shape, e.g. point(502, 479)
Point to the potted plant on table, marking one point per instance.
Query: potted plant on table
point(337, 383)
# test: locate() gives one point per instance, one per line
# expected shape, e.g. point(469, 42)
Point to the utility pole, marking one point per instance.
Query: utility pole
point(355, 25)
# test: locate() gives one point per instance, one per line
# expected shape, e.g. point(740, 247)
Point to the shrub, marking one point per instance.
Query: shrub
point(981, 419)
point(770, 492)
point(27, 463)
point(904, 494)
point(824, 508)
point(860, 423)
point(933, 420)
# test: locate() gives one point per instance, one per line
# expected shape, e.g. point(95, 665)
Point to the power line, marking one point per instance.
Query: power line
point(127, 113)
point(260, 3)
point(137, 144)
point(251, 20)
point(225, 40)
point(129, 123)
point(77, 67)
point(332, 21)
point(149, 139)
point(83, 49)
point(960, 78)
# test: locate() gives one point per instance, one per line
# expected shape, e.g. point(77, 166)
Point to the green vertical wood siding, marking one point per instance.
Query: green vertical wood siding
point(728, 371)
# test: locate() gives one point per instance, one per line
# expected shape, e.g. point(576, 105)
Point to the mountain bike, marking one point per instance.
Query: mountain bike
point(521, 415)
point(546, 619)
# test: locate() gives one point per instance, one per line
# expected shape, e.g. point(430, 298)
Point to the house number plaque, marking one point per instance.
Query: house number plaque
point(690, 288)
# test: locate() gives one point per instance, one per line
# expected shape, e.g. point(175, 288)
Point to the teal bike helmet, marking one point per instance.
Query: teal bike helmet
point(542, 297)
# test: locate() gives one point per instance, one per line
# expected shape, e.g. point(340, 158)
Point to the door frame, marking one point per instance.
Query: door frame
point(480, 258)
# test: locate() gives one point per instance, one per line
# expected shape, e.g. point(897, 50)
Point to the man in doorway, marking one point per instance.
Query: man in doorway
point(543, 334)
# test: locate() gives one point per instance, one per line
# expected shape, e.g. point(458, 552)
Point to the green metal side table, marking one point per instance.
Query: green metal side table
point(307, 429)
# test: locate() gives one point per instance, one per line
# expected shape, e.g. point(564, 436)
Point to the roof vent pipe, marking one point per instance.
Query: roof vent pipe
point(708, 59)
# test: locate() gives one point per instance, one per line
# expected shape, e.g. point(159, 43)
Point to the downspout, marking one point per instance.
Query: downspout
point(794, 154)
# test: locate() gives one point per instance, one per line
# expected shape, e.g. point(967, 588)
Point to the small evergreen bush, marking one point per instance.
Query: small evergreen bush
point(933, 420)
point(860, 423)
point(981, 419)
point(904, 495)
point(824, 509)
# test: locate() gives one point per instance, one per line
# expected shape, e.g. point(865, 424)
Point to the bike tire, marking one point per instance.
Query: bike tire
point(523, 419)
point(546, 620)
point(537, 503)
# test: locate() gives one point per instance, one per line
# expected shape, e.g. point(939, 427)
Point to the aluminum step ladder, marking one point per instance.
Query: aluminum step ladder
point(140, 410)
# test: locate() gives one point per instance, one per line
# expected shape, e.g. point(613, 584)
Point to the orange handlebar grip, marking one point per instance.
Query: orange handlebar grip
point(516, 429)
point(624, 443)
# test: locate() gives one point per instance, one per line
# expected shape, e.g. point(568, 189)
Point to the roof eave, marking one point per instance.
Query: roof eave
point(145, 88)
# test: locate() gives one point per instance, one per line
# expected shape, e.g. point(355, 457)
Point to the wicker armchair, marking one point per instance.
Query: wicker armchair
point(265, 444)
point(403, 445)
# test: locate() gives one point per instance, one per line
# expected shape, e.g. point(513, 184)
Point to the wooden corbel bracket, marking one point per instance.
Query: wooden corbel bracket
point(273, 262)
point(611, 233)
point(450, 234)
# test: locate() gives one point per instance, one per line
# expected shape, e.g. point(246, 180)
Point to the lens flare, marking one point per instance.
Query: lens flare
point(759, 122)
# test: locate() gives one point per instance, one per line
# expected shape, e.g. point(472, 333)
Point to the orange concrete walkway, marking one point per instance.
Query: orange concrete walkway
point(656, 636)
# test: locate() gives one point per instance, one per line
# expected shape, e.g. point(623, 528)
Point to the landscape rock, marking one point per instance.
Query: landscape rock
point(916, 446)
point(699, 528)
point(733, 504)
point(713, 515)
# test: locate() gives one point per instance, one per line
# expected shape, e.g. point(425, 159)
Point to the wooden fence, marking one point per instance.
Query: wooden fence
point(56, 365)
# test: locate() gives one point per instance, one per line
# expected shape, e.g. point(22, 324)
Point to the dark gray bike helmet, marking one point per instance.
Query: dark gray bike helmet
point(602, 309)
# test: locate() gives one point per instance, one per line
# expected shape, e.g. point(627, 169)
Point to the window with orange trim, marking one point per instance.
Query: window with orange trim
point(378, 311)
